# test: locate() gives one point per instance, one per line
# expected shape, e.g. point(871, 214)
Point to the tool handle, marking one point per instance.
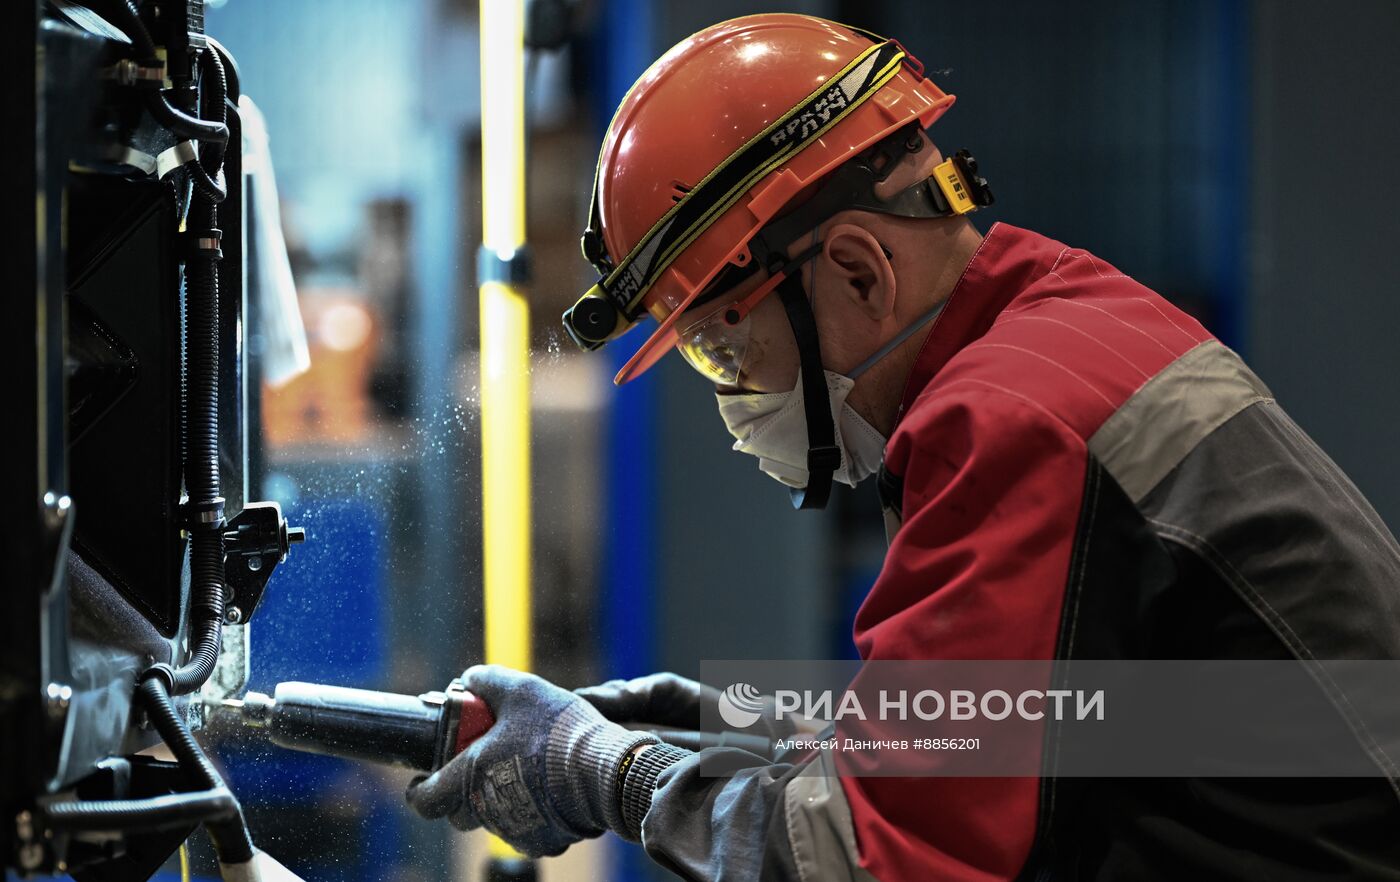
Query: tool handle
point(474, 719)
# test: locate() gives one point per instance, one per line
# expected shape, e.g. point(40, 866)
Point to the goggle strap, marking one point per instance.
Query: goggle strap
point(746, 306)
point(823, 456)
point(802, 257)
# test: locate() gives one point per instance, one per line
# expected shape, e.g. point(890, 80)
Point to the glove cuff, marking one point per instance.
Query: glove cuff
point(640, 784)
point(582, 758)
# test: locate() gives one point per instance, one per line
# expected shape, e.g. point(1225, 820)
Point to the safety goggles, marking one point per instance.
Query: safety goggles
point(717, 344)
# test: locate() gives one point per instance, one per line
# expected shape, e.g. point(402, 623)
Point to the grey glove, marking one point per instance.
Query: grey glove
point(543, 777)
point(674, 701)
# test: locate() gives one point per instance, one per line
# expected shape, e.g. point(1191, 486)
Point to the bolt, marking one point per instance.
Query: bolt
point(59, 697)
point(296, 534)
point(31, 853)
point(31, 856)
point(255, 563)
point(233, 615)
point(56, 509)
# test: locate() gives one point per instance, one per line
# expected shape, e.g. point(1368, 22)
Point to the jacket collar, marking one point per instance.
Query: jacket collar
point(1005, 264)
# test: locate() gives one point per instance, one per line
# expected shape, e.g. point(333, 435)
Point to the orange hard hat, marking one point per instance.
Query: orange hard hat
point(714, 140)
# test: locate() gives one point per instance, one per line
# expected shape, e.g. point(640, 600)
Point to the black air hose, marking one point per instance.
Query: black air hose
point(145, 815)
point(213, 98)
point(208, 186)
point(127, 20)
point(202, 484)
point(230, 834)
point(182, 124)
point(200, 401)
point(206, 170)
point(215, 806)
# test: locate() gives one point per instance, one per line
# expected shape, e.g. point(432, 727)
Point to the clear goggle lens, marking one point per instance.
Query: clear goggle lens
point(717, 344)
point(715, 347)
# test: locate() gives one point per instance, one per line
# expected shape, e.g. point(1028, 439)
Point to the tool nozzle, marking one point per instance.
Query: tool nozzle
point(254, 708)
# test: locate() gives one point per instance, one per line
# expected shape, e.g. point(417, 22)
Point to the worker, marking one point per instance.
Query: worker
point(1071, 466)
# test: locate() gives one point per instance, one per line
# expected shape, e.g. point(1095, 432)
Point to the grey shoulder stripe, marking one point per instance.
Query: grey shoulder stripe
point(820, 831)
point(1164, 420)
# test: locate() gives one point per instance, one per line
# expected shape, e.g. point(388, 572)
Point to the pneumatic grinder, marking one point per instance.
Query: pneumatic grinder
point(421, 732)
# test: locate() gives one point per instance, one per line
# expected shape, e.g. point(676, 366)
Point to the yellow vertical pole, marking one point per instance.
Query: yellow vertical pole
point(505, 369)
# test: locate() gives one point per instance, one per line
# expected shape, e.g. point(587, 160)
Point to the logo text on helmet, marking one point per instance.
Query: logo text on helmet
point(811, 120)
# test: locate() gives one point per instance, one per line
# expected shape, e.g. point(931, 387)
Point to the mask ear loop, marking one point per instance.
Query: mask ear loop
point(898, 339)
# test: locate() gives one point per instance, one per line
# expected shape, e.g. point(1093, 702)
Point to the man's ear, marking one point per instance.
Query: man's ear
point(863, 268)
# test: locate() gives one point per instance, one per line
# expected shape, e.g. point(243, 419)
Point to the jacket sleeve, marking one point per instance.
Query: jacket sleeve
point(991, 491)
point(724, 815)
point(992, 488)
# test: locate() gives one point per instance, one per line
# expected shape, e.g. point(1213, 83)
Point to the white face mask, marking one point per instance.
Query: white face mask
point(773, 427)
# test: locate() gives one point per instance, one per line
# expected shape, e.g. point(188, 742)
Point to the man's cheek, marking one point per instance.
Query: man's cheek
point(774, 352)
point(763, 366)
point(754, 359)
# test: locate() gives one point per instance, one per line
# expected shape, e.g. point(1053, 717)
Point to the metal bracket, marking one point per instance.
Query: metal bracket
point(231, 673)
point(175, 157)
point(508, 267)
point(128, 72)
point(256, 540)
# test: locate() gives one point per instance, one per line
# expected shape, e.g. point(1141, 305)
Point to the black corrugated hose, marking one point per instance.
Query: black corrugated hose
point(209, 130)
point(168, 812)
point(215, 806)
point(123, 14)
point(207, 172)
point(201, 418)
point(200, 393)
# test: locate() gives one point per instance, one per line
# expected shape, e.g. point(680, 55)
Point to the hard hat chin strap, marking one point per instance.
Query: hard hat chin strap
point(823, 453)
point(823, 456)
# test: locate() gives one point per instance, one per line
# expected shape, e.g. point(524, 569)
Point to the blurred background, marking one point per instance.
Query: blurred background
point(1236, 155)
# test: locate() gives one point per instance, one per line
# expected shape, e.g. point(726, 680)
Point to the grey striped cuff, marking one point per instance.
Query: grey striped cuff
point(640, 784)
point(582, 757)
